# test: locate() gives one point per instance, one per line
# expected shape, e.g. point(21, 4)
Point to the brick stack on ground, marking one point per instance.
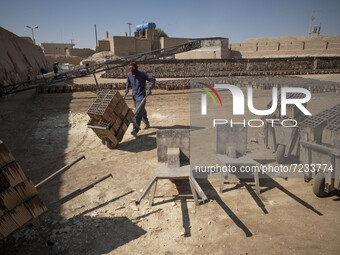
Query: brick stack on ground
point(322, 128)
point(110, 116)
point(19, 199)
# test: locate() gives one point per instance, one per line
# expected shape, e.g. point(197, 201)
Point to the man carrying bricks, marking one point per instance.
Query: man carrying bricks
point(136, 79)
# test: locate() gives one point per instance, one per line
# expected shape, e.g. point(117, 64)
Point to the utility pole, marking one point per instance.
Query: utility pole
point(95, 31)
point(129, 27)
point(32, 28)
point(310, 25)
point(319, 29)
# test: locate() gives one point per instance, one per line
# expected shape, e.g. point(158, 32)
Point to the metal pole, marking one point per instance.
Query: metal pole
point(319, 29)
point(95, 79)
point(129, 23)
point(95, 31)
point(60, 171)
point(310, 25)
point(33, 36)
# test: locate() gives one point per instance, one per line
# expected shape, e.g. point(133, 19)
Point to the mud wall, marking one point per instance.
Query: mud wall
point(300, 46)
point(19, 58)
point(221, 67)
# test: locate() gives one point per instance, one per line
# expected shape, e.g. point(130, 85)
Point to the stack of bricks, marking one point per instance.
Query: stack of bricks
point(311, 128)
point(110, 116)
point(19, 199)
point(331, 133)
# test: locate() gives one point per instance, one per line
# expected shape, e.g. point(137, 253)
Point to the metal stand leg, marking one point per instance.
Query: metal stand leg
point(95, 79)
point(193, 192)
point(198, 189)
point(308, 176)
point(153, 191)
point(257, 182)
point(222, 181)
point(145, 190)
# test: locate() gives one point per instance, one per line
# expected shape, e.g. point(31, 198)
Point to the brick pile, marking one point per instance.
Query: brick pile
point(19, 199)
point(110, 116)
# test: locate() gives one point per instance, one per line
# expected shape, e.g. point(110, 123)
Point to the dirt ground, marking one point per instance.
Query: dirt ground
point(47, 131)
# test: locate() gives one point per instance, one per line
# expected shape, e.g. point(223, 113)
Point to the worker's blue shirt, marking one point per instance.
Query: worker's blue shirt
point(137, 82)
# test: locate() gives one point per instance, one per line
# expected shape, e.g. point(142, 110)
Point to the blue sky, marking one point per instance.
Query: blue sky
point(61, 21)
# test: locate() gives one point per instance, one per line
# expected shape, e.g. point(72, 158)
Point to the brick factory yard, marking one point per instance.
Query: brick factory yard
point(47, 131)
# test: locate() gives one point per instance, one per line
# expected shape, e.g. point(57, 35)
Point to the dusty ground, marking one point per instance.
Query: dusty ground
point(46, 131)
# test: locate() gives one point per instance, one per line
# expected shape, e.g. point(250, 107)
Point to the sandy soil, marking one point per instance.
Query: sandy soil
point(46, 131)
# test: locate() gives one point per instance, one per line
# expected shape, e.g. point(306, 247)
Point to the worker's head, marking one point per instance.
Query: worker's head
point(133, 68)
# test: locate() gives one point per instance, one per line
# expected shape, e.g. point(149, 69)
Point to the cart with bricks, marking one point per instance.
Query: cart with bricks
point(20, 203)
point(110, 117)
point(320, 149)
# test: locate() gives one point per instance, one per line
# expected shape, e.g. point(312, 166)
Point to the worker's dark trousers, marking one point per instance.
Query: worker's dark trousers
point(141, 115)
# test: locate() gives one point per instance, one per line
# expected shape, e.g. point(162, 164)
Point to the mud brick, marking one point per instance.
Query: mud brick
point(92, 110)
point(120, 135)
point(118, 96)
point(114, 131)
point(26, 189)
point(104, 123)
point(111, 135)
point(101, 136)
point(5, 155)
point(7, 225)
point(125, 110)
point(112, 118)
point(3, 182)
point(130, 115)
point(117, 124)
point(331, 132)
point(123, 127)
point(36, 206)
point(20, 215)
point(93, 122)
point(113, 102)
point(13, 173)
point(2, 212)
point(127, 122)
point(119, 108)
point(9, 199)
point(99, 132)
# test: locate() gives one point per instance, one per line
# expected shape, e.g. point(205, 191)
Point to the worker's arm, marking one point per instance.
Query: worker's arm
point(152, 81)
point(127, 86)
